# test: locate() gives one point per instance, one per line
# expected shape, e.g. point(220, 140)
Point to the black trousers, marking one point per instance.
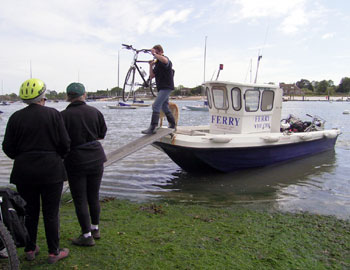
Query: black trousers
point(50, 195)
point(84, 185)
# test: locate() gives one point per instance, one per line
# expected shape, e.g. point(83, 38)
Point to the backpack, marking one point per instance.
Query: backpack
point(13, 215)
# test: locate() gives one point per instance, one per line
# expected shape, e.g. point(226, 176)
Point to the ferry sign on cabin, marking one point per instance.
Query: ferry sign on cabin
point(248, 108)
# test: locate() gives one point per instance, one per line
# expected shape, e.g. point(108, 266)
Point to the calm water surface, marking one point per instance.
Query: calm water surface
point(318, 184)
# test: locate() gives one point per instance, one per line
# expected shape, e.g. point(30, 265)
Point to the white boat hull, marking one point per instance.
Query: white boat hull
point(197, 108)
point(195, 150)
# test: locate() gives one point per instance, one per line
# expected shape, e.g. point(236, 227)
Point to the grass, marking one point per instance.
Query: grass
point(176, 236)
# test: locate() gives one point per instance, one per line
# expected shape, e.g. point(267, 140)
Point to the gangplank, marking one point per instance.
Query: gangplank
point(136, 145)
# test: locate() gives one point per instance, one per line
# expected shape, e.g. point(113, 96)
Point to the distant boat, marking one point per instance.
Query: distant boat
point(138, 101)
point(204, 107)
point(346, 112)
point(140, 105)
point(121, 105)
point(4, 103)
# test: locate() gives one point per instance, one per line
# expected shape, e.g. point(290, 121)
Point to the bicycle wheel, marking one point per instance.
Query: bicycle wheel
point(153, 87)
point(8, 252)
point(128, 88)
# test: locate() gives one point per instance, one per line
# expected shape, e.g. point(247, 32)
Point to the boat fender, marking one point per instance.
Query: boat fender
point(271, 139)
point(330, 134)
point(220, 139)
point(305, 136)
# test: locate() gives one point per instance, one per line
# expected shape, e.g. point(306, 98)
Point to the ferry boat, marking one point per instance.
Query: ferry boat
point(245, 131)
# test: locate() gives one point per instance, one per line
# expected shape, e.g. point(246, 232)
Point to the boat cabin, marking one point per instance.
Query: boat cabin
point(243, 108)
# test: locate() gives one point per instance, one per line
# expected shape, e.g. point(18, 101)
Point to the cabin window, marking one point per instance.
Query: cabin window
point(207, 92)
point(252, 98)
point(267, 100)
point(220, 98)
point(236, 98)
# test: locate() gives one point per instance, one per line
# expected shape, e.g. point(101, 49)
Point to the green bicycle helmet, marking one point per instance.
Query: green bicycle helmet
point(31, 90)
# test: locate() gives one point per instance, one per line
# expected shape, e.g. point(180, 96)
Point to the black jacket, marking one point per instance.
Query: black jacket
point(164, 75)
point(85, 125)
point(37, 140)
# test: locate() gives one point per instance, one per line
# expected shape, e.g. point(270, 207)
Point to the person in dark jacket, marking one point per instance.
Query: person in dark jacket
point(84, 163)
point(161, 69)
point(37, 140)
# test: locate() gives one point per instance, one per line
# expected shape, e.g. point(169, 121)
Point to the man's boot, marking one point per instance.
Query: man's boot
point(171, 120)
point(154, 123)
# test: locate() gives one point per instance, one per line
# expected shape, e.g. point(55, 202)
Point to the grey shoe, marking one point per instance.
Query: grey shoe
point(63, 253)
point(153, 125)
point(96, 234)
point(30, 255)
point(171, 120)
point(151, 130)
point(84, 241)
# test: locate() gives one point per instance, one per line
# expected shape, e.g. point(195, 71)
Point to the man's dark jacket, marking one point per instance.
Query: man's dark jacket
point(85, 125)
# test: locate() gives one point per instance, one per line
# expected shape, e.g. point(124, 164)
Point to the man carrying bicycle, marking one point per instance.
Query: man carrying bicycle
point(161, 69)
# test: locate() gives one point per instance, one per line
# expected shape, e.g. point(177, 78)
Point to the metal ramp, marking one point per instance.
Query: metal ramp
point(136, 145)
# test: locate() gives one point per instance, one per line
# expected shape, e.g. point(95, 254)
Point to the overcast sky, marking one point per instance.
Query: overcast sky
point(66, 41)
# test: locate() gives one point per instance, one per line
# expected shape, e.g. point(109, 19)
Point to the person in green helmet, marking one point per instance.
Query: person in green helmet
point(37, 140)
point(84, 163)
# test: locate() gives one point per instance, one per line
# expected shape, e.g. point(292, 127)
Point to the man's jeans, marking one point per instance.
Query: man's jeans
point(162, 101)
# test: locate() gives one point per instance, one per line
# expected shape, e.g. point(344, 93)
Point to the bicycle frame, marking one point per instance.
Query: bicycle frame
point(135, 61)
point(129, 84)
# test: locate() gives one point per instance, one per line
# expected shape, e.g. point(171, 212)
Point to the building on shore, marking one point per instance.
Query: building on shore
point(291, 89)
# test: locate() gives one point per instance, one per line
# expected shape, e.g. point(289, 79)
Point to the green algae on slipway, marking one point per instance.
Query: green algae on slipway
point(176, 236)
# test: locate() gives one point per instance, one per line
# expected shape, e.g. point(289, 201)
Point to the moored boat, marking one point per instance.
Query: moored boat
point(121, 105)
point(140, 104)
point(200, 107)
point(245, 131)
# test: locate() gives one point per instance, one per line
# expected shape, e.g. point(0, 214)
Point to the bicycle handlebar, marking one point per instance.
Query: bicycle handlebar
point(129, 47)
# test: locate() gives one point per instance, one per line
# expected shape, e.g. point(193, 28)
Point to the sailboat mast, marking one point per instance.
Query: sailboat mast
point(205, 56)
point(260, 54)
point(30, 67)
point(257, 67)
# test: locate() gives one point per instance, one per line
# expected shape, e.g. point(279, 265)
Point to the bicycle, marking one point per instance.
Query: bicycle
point(316, 124)
point(130, 83)
point(293, 123)
point(8, 253)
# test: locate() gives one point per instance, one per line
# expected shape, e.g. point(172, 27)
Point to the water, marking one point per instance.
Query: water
point(318, 184)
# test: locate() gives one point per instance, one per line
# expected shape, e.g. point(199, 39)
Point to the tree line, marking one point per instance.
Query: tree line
point(323, 87)
point(107, 93)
